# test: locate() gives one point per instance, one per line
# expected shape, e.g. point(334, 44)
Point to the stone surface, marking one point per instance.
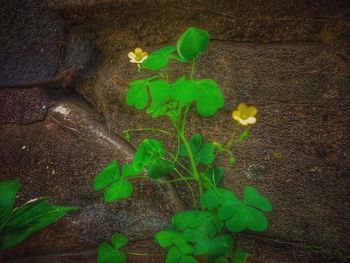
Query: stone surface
point(114, 24)
point(297, 154)
point(51, 158)
point(22, 106)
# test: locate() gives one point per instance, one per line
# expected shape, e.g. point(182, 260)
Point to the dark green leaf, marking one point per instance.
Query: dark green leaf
point(107, 254)
point(107, 176)
point(158, 167)
point(32, 220)
point(220, 260)
point(243, 136)
point(190, 219)
point(213, 176)
point(240, 256)
point(217, 197)
point(118, 190)
point(149, 149)
point(192, 43)
point(165, 238)
point(160, 93)
point(119, 240)
point(202, 152)
point(188, 259)
point(8, 190)
point(215, 247)
point(173, 255)
point(137, 94)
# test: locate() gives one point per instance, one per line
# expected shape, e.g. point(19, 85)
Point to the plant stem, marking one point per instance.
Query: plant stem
point(138, 254)
point(181, 179)
point(178, 162)
point(189, 187)
point(193, 164)
point(151, 129)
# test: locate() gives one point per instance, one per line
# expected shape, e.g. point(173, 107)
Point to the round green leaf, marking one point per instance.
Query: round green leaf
point(173, 255)
point(240, 256)
point(192, 43)
point(107, 254)
point(209, 97)
point(253, 198)
point(165, 238)
point(183, 90)
point(159, 58)
point(188, 259)
point(107, 176)
point(137, 94)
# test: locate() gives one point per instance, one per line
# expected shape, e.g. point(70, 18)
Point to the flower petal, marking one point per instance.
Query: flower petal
point(236, 114)
point(242, 107)
point(138, 52)
point(243, 122)
point(251, 120)
point(131, 55)
point(251, 111)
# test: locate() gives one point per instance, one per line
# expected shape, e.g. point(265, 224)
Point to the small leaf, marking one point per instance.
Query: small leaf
point(8, 190)
point(107, 176)
point(216, 197)
point(202, 152)
point(160, 91)
point(214, 176)
point(118, 190)
point(221, 260)
point(119, 240)
point(137, 94)
point(243, 136)
point(240, 256)
point(165, 238)
point(192, 43)
point(173, 255)
point(209, 97)
point(107, 254)
point(183, 91)
point(188, 259)
point(158, 168)
point(215, 247)
point(254, 199)
point(159, 58)
point(149, 149)
point(189, 219)
point(127, 136)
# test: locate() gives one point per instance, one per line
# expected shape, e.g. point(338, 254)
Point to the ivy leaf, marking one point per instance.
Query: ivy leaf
point(209, 97)
point(119, 240)
point(183, 91)
point(8, 190)
point(192, 43)
point(202, 152)
point(107, 176)
point(213, 176)
point(215, 247)
point(107, 254)
point(160, 93)
point(159, 58)
point(240, 256)
point(137, 94)
point(118, 190)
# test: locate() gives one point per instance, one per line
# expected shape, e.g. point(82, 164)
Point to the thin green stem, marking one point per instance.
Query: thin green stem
point(181, 179)
point(193, 164)
point(189, 187)
point(178, 162)
point(151, 129)
point(139, 254)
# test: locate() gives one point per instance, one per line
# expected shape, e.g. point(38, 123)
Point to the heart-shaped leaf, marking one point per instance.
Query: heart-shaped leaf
point(192, 43)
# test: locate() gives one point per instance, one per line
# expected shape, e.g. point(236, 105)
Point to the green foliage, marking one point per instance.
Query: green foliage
point(192, 43)
point(202, 152)
point(109, 253)
point(114, 183)
point(18, 223)
point(207, 231)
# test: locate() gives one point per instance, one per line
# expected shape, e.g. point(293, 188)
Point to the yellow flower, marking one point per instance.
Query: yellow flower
point(138, 56)
point(244, 114)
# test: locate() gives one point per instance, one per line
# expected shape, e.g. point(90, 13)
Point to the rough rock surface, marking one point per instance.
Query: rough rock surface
point(297, 154)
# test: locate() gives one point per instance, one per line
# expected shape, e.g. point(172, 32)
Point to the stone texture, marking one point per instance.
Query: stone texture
point(297, 154)
point(113, 24)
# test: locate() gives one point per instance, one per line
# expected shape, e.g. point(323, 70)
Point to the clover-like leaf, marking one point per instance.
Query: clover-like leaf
point(209, 97)
point(137, 94)
point(108, 254)
point(119, 240)
point(219, 246)
point(160, 93)
point(192, 43)
point(240, 256)
point(217, 197)
point(120, 189)
point(150, 155)
point(213, 176)
point(202, 152)
point(159, 58)
point(254, 199)
point(183, 91)
point(109, 175)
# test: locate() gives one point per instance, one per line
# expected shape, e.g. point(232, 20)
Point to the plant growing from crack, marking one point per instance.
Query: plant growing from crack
point(205, 232)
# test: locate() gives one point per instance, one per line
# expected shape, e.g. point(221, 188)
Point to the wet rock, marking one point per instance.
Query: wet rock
point(22, 106)
point(301, 92)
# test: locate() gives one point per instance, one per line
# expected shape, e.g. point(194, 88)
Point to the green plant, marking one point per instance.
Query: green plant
point(18, 223)
point(204, 233)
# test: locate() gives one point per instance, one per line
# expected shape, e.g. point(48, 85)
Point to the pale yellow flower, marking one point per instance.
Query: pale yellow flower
point(244, 114)
point(138, 56)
